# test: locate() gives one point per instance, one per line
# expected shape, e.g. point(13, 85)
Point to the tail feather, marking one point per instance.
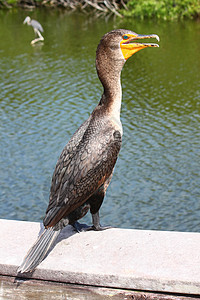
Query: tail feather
point(39, 250)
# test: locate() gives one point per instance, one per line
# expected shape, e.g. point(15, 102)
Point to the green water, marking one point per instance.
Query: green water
point(48, 90)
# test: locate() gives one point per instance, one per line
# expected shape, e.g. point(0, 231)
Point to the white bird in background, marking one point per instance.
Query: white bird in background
point(37, 27)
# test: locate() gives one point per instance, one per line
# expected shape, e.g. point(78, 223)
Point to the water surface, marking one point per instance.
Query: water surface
point(48, 90)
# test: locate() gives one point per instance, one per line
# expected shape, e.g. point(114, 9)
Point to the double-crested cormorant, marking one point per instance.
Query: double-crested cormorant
point(37, 27)
point(85, 167)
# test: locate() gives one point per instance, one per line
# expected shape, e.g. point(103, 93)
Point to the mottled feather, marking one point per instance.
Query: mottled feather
point(84, 165)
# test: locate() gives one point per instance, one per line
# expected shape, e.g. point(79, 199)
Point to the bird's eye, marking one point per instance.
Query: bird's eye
point(125, 37)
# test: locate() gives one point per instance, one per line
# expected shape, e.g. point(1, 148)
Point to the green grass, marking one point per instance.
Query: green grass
point(163, 9)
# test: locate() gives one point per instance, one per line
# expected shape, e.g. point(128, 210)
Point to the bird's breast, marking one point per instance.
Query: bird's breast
point(116, 124)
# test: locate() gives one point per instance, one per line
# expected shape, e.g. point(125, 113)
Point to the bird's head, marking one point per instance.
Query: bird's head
point(27, 20)
point(115, 48)
point(124, 43)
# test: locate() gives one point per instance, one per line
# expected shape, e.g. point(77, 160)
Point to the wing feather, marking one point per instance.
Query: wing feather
point(84, 165)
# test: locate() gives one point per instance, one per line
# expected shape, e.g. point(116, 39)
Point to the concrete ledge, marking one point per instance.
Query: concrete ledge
point(118, 258)
point(23, 289)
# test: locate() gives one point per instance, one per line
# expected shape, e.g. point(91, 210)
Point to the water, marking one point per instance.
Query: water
point(47, 91)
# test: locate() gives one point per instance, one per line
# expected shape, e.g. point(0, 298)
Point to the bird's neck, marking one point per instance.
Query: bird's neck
point(112, 96)
point(109, 70)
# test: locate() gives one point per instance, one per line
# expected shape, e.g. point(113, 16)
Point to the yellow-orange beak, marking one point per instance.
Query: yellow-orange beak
point(129, 46)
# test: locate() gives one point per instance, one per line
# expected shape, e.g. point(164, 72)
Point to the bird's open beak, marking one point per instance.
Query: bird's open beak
point(129, 44)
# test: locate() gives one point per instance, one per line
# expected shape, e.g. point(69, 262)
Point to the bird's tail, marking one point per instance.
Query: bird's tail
point(39, 250)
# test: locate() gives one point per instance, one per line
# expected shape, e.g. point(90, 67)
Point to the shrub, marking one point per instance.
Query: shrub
point(163, 9)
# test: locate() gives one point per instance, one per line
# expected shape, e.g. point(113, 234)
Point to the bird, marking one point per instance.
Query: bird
point(37, 27)
point(85, 167)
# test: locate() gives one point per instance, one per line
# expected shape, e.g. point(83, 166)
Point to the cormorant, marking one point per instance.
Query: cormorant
point(85, 167)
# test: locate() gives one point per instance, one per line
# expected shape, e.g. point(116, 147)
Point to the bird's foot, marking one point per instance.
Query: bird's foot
point(83, 227)
point(37, 40)
point(98, 228)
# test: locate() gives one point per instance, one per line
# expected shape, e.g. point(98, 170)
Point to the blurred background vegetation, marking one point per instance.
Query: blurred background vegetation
point(159, 9)
point(164, 9)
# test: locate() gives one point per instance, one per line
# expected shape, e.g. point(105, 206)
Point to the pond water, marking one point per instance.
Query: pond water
point(48, 90)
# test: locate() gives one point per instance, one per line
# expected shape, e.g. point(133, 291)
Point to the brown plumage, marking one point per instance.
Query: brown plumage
point(85, 167)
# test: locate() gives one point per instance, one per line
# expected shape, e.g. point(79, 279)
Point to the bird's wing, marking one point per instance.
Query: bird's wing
point(81, 171)
point(37, 25)
point(66, 156)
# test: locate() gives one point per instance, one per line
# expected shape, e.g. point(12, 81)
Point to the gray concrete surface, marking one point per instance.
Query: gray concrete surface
point(119, 258)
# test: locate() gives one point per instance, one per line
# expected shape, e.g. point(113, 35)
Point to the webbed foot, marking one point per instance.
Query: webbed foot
point(84, 227)
point(96, 223)
point(98, 228)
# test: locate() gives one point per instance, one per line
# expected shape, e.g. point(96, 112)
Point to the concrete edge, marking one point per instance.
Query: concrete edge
point(116, 258)
point(12, 287)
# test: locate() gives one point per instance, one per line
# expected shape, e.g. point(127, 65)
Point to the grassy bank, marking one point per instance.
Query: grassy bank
point(163, 9)
point(159, 9)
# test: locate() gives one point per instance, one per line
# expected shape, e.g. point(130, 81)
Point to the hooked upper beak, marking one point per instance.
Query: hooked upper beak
point(129, 46)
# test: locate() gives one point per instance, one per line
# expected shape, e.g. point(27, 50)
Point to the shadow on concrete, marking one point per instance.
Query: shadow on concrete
point(65, 233)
